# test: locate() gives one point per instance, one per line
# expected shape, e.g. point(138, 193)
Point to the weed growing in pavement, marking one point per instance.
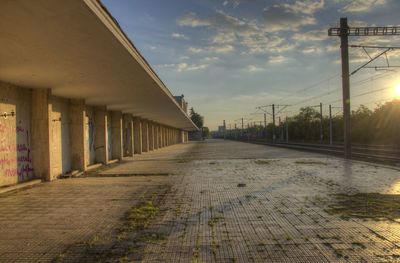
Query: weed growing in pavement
point(310, 162)
point(262, 162)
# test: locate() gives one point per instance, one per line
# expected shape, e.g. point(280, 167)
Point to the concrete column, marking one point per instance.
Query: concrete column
point(166, 136)
point(145, 136)
point(100, 134)
point(156, 143)
point(151, 136)
point(77, 112)
point(181, 137)
point(117, 139)
point(128, 136)
point(137, 132)
point(186, 136)
point(169, 136)
point(40, 130)
point(161, 136)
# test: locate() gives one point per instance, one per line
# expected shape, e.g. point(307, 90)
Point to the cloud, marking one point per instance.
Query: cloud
point(179, 36)
point(190, 19)
point(281, 18)
point(335, 47)
point(190, 67)
point(253, 68)
point(222, 49)
point(228, 32)
point(277, 59)
point(313, 35)
point(211, 59)
point(357, 6)
point(308, 7)
point(312, 50)
point(195, 50)
point(214, 49)
point(224, 37)
point(234, 3)
point(181, 67)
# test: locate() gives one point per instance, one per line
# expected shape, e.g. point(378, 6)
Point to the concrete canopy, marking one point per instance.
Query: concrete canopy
point(78, 50)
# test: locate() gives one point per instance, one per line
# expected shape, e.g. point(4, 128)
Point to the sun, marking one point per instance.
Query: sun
point(397, 91)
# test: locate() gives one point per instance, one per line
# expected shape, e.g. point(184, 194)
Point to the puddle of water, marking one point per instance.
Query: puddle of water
point(366, 205)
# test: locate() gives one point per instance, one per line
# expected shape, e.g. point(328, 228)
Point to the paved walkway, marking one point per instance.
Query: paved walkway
point(227, 202)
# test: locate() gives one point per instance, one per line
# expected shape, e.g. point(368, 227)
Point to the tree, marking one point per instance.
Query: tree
point(196, 118)
point(206, 132)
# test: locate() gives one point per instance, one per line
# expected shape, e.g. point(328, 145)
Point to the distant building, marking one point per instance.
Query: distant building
point(182, 103)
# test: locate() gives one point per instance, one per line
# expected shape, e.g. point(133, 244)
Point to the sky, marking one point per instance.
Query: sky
point(229, 57)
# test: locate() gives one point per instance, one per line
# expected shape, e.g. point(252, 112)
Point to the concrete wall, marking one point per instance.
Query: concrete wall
point(60, 150)
point(15, 135)
point(51, 136)
point(90, 154)
point(78, 140)
point(116, 136)
point(128, 135)
point(100, 134)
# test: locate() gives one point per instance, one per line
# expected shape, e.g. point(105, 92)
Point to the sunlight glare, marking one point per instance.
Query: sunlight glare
point(397, 91)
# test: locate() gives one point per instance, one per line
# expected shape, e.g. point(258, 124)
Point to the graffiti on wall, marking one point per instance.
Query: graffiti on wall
point(15, 155)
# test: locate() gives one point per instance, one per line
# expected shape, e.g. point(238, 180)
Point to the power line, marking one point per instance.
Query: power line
point(315, 85)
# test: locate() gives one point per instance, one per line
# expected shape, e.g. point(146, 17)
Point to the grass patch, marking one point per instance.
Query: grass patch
point(139, 217)
point(152, 237)
point(262, 162)
point(214, 220)
point(310, 162)
point(366, 206)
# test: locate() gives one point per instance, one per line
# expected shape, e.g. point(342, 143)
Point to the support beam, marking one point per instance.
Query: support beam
point(156, 141)
point(128, 136)
point(145, 136)
point(41, 110)
point(151, 136)
point(162, 136)
point(116, 127)
point(137, 127)
point(77, 113)
point(100, 134)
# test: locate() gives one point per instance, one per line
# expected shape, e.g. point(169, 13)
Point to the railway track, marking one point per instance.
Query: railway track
point(373, 153)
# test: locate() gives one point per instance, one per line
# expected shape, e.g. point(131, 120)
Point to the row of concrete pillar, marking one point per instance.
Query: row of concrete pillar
point(96, 135)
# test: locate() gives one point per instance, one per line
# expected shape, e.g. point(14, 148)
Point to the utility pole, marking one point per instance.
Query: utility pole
point(235, 131)
point(321, 128)
point(344, 47)
point(344, 31)
point(287, 129)
point(263, 108)
point(273, 123)
point(265, 125)
point(241, 133)
point(224, 130)
point(330, 125)
point(280, 129)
